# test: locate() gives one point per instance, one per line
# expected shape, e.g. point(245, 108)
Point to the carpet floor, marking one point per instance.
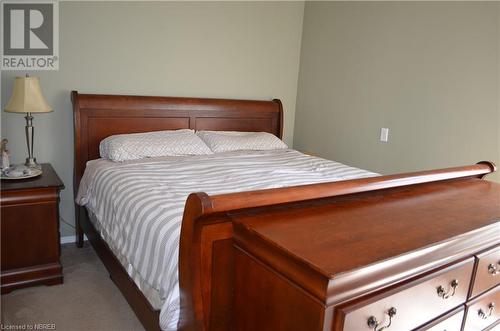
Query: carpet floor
point(88, 300)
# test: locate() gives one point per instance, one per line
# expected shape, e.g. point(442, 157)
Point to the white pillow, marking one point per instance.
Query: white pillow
point(134, 146)
point(226, 141)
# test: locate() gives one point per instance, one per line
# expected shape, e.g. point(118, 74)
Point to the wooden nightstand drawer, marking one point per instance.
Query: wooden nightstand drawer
point(487, 272)
point(28, 236)
point(30, 231)
point(415, 304)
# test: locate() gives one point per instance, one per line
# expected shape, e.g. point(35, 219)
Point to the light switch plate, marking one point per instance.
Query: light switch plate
point(384, 134)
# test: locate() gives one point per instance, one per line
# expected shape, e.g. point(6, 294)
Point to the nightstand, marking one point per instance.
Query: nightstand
point(30, 231)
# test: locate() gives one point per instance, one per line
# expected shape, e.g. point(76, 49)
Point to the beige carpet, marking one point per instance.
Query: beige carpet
point(88, 300)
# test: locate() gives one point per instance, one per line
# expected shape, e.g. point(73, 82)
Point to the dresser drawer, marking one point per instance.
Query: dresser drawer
point(487, 272)
point(483, 311)
point(452, 321)
point(413, 305)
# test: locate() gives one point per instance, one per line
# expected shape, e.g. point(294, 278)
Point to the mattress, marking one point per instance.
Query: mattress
point(137, 206)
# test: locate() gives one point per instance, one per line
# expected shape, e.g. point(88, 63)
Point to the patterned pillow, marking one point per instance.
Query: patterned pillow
point(134, 146)
point(226, 141)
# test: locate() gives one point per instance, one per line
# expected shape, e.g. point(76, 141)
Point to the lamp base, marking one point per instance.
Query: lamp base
point(31, 163)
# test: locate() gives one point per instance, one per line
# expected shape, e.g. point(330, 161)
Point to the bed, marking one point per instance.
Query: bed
point(205, 245)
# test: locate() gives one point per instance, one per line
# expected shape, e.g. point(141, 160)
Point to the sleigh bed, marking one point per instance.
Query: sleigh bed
point(223, 239)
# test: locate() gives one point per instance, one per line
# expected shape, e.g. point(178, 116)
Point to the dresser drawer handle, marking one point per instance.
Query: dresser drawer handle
point(375, 325)
point(493, 269)
point(451, 291)
point(484, 315)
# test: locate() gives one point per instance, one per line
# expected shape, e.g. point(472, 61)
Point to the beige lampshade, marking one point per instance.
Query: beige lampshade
point(27, 97)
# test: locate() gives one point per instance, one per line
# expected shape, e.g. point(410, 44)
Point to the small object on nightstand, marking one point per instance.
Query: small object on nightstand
point(4, 154)
point(20, 171)
point(30, 248)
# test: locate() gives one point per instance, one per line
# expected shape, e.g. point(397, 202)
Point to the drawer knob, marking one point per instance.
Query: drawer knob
point(451, 291)
point(375, 325)
point(484, 315)
point(493, 269)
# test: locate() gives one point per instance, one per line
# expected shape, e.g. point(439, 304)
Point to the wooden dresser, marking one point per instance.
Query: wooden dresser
point(30, 231)
point(355, 265)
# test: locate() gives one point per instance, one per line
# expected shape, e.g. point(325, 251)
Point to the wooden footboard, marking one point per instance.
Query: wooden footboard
point(206, 262)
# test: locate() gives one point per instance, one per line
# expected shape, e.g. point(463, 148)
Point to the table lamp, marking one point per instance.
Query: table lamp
point(27, 98)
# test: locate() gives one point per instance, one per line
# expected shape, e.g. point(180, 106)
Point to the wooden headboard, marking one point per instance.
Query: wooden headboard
point(98, 116)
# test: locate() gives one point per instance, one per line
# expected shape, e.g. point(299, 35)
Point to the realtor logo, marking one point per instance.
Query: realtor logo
point(30, 35)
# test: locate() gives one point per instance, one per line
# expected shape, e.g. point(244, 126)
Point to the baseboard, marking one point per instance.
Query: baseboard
point(70, 239)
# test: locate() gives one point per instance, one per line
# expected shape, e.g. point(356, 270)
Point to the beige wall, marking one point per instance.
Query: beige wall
point(229, 50)
point(429, 72)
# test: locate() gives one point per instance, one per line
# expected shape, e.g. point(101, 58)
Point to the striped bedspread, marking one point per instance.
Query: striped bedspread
point(139, 204)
